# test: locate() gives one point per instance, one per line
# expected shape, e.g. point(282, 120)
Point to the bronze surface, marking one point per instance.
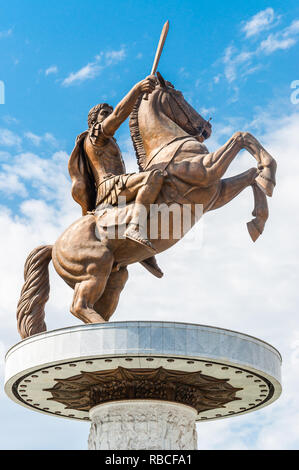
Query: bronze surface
point(88, 389)
point(175, 168)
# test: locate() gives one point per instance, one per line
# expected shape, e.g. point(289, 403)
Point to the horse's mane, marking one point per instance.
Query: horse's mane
point(136, 136)
point(134, 128)
point(135, 132)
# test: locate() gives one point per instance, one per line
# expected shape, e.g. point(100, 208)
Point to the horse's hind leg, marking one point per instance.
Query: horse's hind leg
point(88, 291)
point(108, 302)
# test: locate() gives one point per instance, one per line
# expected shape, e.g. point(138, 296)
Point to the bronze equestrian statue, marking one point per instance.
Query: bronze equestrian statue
point(175, 168)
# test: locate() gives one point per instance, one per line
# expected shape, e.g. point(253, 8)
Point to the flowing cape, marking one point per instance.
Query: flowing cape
point(83, 183)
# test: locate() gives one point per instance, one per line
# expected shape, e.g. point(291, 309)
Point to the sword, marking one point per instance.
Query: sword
point(159, 50)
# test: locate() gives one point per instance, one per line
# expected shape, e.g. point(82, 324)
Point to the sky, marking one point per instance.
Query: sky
point(236, 62)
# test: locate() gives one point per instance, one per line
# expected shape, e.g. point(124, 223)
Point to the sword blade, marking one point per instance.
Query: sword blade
point(160, 47)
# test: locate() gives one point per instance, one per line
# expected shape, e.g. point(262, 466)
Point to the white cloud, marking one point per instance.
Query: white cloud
point(89, 71)
point(50, 139)
point(4, 156)
point(9, 138)
point(183, 72)
point(231, 282)
point(259, 22)
point(41, 217)
point(6, 34)
point(283, 39)
point(51, 70)
point(233, 59)
point(238, 63)
point(10, 184)
point(207, 111)
point(92, 69)
point(35, 139)
point(273, 42)
point(115, 56)
point(38, 139)
point(293, 28)
point(227, 282)
point(10, 119)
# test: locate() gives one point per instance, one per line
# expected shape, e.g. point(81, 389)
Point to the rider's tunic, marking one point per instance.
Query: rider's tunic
point(110, 173)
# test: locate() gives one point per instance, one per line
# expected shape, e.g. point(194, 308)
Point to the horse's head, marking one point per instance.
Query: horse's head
point(182, 113)
point(160, 118)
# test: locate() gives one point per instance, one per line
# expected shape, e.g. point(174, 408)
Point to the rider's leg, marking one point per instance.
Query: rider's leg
point(87, 292)
point(108, 302)
point(144, 187)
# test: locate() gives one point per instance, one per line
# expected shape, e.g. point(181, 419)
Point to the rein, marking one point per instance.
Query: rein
point(182, 109)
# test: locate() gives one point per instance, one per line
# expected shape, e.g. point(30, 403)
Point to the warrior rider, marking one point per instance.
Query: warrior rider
point(98, 172)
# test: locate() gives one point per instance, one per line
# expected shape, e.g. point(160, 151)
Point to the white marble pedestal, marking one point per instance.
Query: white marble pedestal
point(143, 384)
point(142, 425)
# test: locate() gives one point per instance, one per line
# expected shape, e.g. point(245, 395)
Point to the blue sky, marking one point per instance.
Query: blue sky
point(45, 44)
point(234, 61)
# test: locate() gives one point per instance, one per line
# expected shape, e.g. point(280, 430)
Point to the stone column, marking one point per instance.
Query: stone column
point(142, 425)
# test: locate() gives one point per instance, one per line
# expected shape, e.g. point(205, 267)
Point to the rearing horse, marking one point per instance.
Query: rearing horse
point(164, 130)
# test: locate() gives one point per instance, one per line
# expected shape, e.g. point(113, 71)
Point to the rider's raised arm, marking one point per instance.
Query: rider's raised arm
point(126, 105)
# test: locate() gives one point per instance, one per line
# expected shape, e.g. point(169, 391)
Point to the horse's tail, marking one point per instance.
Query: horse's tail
point(35, 292)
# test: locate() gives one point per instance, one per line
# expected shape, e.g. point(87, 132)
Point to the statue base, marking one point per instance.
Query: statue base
point(143, 385)
point(142, 424)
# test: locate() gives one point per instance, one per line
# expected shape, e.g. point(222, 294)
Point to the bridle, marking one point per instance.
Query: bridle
point(185, 138)
point(181, 108)
point(167, 89)
point(164, 89)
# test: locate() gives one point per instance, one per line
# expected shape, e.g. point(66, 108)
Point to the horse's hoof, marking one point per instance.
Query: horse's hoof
point(266, 185)
point(253, 230)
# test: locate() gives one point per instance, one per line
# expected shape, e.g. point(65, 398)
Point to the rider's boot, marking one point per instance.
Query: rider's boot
point(133, 233)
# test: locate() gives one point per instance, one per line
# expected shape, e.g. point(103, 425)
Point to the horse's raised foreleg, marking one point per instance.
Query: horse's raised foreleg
point(205, 170)
point(266, 163)
point(260, 213)
point(231, 187)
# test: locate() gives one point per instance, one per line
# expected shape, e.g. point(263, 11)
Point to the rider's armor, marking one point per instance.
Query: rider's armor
point(110, 174)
